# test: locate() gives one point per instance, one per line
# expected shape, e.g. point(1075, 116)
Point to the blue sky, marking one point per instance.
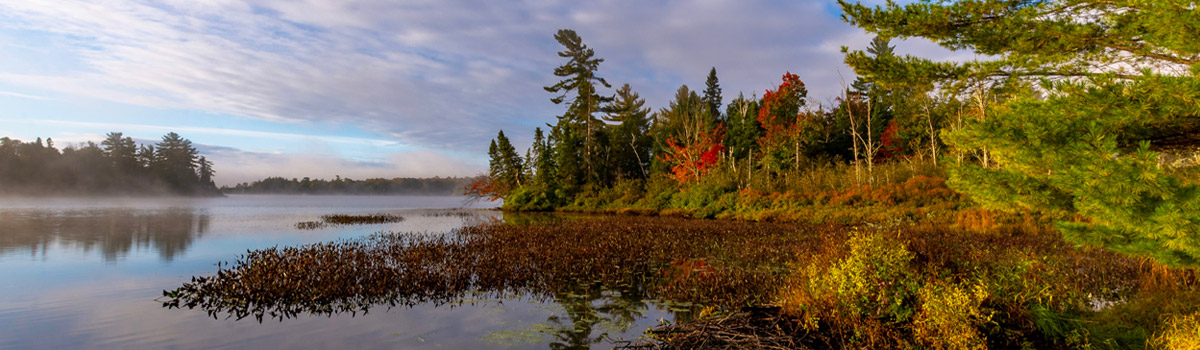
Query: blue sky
point(364, 88)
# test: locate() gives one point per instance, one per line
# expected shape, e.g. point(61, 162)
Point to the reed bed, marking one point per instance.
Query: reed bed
point(345, 219)
point(715, 262)
point(449, 213)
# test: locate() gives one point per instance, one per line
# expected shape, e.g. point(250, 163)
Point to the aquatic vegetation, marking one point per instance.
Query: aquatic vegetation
point(1007, 284)
point(449, 213)
point(345, 219)
point(744, 261)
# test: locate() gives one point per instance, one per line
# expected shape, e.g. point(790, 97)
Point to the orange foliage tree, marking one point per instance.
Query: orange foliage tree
point(484, 188)
point(782, 121)
point(690, 161)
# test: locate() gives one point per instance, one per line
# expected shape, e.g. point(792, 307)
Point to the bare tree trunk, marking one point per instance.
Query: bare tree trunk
point(749, 168)
point(982, 101)
point(932, 138)
point(797, 150)
point(633, 145)
point(870, 144)
point(854, 139)
point(587, 139)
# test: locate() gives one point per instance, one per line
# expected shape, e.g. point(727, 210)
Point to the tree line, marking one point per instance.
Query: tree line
point(1083, 111)
point(436, 186)
point(117, 165)
point(604, 140)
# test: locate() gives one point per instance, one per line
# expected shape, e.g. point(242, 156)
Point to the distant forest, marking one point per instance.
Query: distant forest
point(437, 186)
point(117, 165)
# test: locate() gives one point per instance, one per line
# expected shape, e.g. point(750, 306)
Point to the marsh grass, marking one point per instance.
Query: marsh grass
point(704, 261)
point(345, 219)
point(461, 213)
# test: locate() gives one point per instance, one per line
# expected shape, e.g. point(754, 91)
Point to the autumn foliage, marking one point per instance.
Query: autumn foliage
point(483, 188)
point(780, 115)
point(691, 161)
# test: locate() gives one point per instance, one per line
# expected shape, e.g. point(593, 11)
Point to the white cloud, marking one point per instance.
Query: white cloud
point(434, 74)
point(211, 131)
point(31, 97)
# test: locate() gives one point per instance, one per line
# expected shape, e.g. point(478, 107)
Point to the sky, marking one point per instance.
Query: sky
point(373, 88)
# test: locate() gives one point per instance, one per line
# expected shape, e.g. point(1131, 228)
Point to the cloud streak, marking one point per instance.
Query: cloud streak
point(31, 97)
point(213, 131)
point(440, 75)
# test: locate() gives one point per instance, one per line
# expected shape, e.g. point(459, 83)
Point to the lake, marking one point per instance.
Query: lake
point(88, 273)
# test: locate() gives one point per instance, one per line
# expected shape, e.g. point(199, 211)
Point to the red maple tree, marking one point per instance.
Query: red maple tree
point(780, 114)
point(691, 161)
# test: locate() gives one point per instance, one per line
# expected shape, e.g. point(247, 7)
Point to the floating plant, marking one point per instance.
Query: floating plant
point(344, 219)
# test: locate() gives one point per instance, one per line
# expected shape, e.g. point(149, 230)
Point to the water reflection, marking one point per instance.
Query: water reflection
point(592, 316)
point(113, 232)
point(83, 272)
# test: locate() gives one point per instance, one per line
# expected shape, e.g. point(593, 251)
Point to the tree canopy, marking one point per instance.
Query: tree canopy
point(116, 166)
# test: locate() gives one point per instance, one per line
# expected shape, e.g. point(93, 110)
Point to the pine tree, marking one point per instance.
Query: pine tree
point(631, 144)
point(578, 125)
point(122, 152)
point(175, 162)
point(1092, 101)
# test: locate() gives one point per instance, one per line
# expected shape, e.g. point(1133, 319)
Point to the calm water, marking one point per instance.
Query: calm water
point(85, 273)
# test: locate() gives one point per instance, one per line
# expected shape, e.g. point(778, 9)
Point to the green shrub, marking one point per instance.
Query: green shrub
point(532, 198)
point(874, 280)
point(950, 316)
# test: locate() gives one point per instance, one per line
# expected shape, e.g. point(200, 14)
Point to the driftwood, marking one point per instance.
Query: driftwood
point(751, 328)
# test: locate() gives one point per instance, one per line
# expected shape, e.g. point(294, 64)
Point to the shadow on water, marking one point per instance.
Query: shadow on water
point(602, 272)
point(112, 232)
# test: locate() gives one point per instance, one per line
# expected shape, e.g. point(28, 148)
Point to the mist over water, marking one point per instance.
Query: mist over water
point(85, 273)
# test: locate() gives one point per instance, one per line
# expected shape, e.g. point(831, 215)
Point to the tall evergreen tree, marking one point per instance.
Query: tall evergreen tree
point(545, 171)
point(629, 139)
point(122, 151)
point(1115, 89)
point(880, 49)
point(511, 165)
point(205, 172)
point(578, 125)
point(712, 95)
point(175, 161)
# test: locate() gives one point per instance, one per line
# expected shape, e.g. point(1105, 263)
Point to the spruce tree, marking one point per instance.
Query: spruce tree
point(712, 95)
